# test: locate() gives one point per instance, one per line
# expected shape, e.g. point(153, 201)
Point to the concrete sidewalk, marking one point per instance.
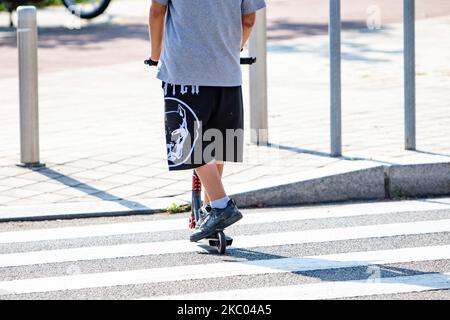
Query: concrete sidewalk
point(102, 132)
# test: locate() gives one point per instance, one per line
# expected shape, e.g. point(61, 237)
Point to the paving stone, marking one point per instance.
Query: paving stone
point(22, 193)
point(15, 182)
point(123, 179)
point(4, 199)
point(87, 163)
point(127, 191)
point(147, 171)
point(92, 174)
point(4, 188)
point(156, 183)
point(72, 192)
point(11, 171)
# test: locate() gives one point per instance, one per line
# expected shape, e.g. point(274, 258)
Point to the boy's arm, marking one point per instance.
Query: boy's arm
point(248, 21)
point(156, 21)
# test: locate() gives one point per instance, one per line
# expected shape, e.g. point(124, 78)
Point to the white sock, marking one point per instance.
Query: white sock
point(220, 203)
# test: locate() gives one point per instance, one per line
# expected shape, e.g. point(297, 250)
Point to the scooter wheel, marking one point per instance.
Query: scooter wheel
point(221, 243)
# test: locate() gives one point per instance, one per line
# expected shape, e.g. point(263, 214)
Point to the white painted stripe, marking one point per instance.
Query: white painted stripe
point(253, 241)
point(226, 269)
point(329, 290)
point(322, 212)
point(101, 230)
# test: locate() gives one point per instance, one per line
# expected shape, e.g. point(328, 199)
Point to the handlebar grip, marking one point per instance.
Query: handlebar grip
point(250, 60)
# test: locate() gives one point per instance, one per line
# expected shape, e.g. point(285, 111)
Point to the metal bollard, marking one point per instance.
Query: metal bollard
point(258, 81)
point(334, 29)
point(410, 74)
point(28, 84)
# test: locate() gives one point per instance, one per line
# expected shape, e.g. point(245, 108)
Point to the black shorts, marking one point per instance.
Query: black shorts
point(203, 124)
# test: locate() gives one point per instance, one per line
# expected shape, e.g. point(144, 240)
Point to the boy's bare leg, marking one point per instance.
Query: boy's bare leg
point(222, 214)
point(220, 166)
point(211, 179)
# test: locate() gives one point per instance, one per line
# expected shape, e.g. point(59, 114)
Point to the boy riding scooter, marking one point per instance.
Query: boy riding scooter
point(196, 45)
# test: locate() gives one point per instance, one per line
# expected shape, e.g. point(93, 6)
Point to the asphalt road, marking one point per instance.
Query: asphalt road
point(381, 250)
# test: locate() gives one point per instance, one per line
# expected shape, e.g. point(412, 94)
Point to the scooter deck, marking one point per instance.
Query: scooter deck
point(214, 238)
point(214, 241)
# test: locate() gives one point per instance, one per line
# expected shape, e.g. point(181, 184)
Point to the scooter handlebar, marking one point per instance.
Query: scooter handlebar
point(247, 60)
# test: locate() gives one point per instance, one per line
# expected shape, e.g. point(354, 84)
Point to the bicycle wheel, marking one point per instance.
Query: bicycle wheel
point(86, 9)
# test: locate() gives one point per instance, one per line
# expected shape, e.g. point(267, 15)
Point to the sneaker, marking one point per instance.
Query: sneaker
point(231, 214)
point(217, 219)
point(204, 211)
point(213, 222)
point(206, 208)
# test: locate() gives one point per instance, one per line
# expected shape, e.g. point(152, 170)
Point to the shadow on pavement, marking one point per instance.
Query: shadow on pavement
point(52, 37)
point(89, 190)
point(324, 154)
point(283, 30)
point(100, 35)
point(329, 270)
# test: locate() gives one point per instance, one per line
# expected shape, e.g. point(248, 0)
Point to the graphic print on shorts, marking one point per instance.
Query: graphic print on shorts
point(179, 142)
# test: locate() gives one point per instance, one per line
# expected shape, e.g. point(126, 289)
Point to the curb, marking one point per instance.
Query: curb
point(382, 182)
point(346, 182)
point(364, 184)
point(419, 180)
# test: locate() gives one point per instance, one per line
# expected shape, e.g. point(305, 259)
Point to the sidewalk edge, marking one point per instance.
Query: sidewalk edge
point(371, 183)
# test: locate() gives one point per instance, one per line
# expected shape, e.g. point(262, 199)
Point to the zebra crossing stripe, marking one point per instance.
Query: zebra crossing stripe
point(92, 231)
point(227, 269)
point(342, 211)
point(252, 241)
point(330, 289)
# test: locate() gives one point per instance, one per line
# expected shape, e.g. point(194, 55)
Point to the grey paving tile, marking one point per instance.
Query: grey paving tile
point(139, 161)
point(5, 200)
point(72, 192)
point(11, 171)
point(157, 183)
point(16, 182)
point(147, 171)
point(117, 168)
point(87, 163)
point(123, 179)
point(22, 193)
point(92, 174)
point(46, 187)
point(4, 188)
point(127, 191)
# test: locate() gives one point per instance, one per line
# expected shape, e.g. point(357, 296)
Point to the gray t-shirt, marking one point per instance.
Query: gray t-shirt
point(202, 41)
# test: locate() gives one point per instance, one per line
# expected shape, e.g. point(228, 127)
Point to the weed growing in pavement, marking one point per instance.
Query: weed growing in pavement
point(175, 208)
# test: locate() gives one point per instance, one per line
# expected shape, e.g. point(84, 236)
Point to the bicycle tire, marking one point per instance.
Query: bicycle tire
point(88, 15)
